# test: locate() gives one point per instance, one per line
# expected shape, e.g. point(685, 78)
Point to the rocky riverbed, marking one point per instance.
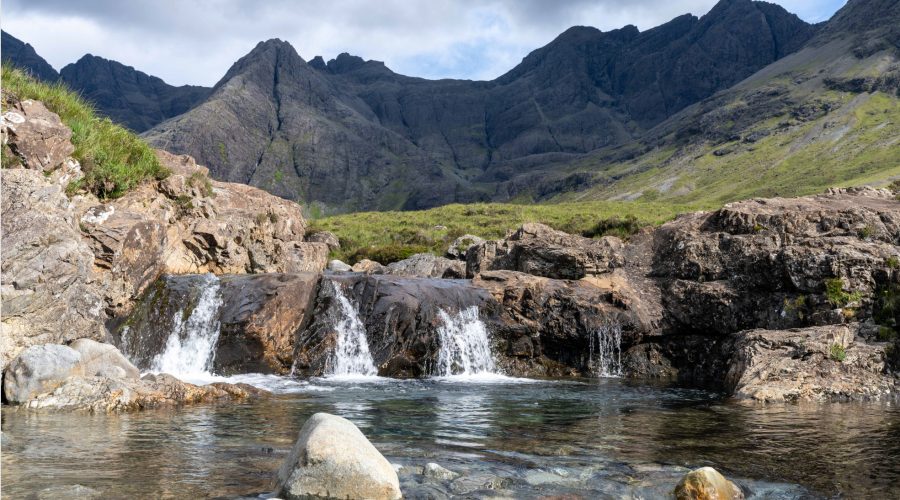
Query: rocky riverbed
point(767, 300)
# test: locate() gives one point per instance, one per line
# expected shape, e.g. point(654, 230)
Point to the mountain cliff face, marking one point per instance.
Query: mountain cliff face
point(127, 96)
point(23, 55)
point(352, 134)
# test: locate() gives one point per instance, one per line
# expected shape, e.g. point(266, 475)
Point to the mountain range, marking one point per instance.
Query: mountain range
point(744, 101)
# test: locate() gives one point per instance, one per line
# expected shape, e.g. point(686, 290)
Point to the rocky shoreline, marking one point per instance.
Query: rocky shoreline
point(770, 299)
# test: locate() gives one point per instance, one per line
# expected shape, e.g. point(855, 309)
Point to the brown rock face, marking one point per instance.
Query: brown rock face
point(261, 316)
point(542, 251)
point(37, 136)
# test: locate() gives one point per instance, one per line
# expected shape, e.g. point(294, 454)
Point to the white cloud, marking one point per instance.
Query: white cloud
point(195, 42)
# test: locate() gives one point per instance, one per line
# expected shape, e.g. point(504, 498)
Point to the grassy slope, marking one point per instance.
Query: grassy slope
point(388, 235)
point(113, 159)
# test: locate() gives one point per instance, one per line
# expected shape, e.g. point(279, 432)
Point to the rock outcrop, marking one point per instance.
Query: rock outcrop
point(36, 136)
point(426, 265)
point(333, 459)
point(542, 251)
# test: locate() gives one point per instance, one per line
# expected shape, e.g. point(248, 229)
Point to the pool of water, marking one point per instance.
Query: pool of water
point(606, 438)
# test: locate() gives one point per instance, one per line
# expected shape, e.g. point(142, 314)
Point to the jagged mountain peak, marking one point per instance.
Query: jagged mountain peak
point(23, 55)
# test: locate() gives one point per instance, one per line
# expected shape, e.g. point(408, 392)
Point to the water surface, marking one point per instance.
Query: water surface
point(606, 438)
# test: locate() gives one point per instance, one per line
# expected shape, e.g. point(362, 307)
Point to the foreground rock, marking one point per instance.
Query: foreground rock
point(707, 484)
point(333, 459)
point(37, 136)
point(818, 363)
point(97, 378)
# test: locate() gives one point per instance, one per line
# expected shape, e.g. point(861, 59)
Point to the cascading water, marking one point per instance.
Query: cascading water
point(351, 356)
point(465, 345)
point(191, 346)
point(606, 343)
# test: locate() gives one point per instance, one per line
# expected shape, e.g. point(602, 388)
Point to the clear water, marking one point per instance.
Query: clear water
point(605, 438)
point(190, 347)
point(351, 357)
point(465, 346)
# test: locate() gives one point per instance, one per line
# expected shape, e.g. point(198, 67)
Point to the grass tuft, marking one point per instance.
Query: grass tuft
point(114, 159)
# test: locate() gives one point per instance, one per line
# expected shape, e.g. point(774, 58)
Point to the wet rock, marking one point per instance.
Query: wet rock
point(97, 357)
point(460, 246)
point(426, 265)
point(74, 492)
point(435, 471)
point(706, 484)
point(326, 237)
point(37, 136)
point(542, 251)
point(333, 459)
point(339, 266)
point(50, 291)
point(39, 369)
point(368, 266)
point(818, 363)
point(260, 316)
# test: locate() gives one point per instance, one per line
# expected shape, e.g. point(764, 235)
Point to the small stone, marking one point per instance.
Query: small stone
point(707, 484)
point(339, 266)
point(435, 471)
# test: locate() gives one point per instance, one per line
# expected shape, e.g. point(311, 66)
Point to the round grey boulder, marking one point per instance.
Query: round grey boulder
point(333, 459)
point(102, 359)
point(39, 369)
point(339, 266)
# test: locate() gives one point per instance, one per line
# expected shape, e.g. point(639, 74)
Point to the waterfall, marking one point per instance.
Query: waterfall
point(606, 342)
point(465, 345)
point(191, 346)
point(351, 356)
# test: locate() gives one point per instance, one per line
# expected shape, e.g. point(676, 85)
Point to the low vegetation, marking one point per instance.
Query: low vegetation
point(838, 353)
point(113, 159)
point(835, 294)
point(389, 236)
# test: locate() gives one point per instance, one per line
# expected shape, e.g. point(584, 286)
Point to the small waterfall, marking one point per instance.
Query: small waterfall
point(351, 356)
point(465, 345)
point(191, 346)
point(606, 342)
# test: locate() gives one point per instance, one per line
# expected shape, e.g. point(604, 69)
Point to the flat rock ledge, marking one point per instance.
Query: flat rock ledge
point(333, 459)
point(95, 377)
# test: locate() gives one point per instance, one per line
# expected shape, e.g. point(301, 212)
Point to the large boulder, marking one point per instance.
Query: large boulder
point(333, 459)
point(327, 237)
point(460, 246)
point(368, 266)
point(39, 369)
point(706, 483)
point(37, 136)
point(542, 251)
point(426, 265)
point(50, 291)
point(97, 357)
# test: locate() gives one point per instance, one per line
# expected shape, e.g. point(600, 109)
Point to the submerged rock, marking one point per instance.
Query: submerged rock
point(333, 459)
point(435, 471)
point(74, 492)
point(39, 369)
point(706, 484)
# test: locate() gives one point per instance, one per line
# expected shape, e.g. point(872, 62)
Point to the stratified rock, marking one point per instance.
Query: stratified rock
point(39, 369)
point(426, 265)
point(460, 246)
point(326, 237)
point(368, 266)
point(98, 357)
point(706, 484)
point(37, 135)
point(819, 363)
point(50, 292)
point(542, 251)
point(339, 266)
point(333, 459)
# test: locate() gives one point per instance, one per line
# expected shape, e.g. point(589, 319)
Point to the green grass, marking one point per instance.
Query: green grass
point(838, 353)
point(835, 294)
point(113, 159)
point(391, 234)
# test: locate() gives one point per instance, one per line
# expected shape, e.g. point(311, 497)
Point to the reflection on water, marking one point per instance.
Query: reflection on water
point(597, 439)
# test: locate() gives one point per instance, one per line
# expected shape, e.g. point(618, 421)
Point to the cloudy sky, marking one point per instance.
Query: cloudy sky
point(196, 41)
